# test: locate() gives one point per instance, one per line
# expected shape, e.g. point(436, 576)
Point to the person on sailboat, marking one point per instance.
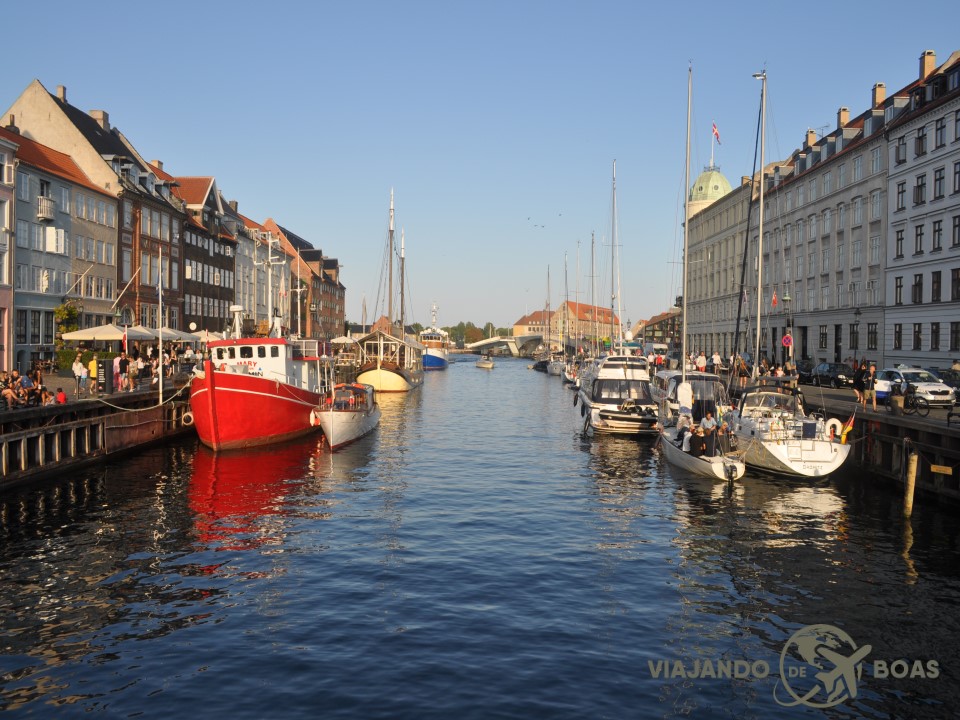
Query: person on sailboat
point(708, 425)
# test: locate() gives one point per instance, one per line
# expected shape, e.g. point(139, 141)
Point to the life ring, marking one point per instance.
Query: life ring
point(834, 427)
point(187, 419)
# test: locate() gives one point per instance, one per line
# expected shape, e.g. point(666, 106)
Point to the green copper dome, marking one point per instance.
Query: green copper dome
point(709, 187)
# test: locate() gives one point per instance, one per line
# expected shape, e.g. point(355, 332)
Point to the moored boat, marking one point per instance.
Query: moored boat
point(618, 398)
point(255, 391)
point(348, 412)
point(390, 364)
point(436, 345)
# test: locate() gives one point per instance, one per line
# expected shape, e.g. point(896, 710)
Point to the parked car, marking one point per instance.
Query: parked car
point(926, 383)
point(805, 371)
point(951, 378)
point(833, 374)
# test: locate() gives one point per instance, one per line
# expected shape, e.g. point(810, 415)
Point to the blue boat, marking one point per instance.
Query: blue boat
point(436, 344)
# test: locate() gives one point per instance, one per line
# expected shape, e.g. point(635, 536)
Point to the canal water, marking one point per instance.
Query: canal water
point(475, 557)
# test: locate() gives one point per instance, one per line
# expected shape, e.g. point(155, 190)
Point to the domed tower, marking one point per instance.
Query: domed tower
point(709, 187)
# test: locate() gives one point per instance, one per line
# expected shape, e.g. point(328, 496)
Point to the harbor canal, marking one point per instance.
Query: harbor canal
point(475, 557)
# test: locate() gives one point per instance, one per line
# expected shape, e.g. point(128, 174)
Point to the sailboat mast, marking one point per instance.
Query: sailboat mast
point(593, 297)
point(762, 76)
point(402, 278)
point(390, 266)
point(686, 233)
point(576, 321)
point(613, 253)
point(565, 328)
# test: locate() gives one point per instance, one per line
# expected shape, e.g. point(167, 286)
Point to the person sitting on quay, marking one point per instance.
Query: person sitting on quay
point(61, 397)
point(47, 398)
point(28, 391)
point(10, 389)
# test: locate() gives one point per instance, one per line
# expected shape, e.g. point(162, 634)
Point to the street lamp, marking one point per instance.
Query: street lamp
point(856, 332)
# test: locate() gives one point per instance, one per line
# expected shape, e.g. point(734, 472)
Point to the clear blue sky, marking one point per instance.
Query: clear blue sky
point(496, 123)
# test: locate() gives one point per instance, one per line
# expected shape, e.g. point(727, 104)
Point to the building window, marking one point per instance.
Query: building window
point(940, 133)
point(901, 156)
point(857, 259)
point(939, 183)
point(871, 336)
point(916, 290)
point(898, 290)
point(877, 160)
point(917, 335)
point(827, 183)
point(823, 337)
point(842, 170)
point(955, 284)
point(920, 144)
point(934, 336)
point(956, 177)
point(841, 217)
point(901, 195)
point(898, 336)
point(920, 190)
point(898, 245)
point(918, 240)
point(858, 168)
point(955, 326)
point(875, 205)
point(875, 250)
point(935, 286)
point(936, 242)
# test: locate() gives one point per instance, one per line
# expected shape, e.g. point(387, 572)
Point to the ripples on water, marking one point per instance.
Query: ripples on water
point(475, 557)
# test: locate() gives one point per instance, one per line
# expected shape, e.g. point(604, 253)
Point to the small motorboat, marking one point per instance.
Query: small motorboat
point(349, 411)
point(485, 362)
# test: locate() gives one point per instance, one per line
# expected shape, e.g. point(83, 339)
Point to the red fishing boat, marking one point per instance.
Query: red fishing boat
point(256, 391)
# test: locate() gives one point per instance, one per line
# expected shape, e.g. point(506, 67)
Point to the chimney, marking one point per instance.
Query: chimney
point(927, 63)
point(879, 94)
point(62, 93)
point(843, 117)
point(102, 118)
point(233, 205)
point(811, 138)
point(157, 164)
point(12, 125)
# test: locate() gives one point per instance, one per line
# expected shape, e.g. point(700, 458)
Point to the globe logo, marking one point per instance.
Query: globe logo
point(819, 667)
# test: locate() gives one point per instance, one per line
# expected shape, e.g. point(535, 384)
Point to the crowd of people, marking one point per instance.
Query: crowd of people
point(22, 390)
point(142, 366)
point(708, 438)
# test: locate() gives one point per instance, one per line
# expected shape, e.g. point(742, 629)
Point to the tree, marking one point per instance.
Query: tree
point(67, 315)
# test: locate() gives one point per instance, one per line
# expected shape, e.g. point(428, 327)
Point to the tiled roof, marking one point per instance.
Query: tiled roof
point(194, 190)
point(49, 160)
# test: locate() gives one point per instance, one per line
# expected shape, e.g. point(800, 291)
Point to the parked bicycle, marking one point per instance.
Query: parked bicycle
point(912, 403)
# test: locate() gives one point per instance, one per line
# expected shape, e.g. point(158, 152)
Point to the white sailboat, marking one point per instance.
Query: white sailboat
point(390, 361)
point(770, 424)
point(615, 394)
point(708, 391)
point(349, 411)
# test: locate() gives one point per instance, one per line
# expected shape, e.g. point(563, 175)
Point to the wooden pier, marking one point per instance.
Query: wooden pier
point(40, 442)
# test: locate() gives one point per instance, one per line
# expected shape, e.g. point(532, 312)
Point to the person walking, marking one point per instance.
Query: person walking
point(79, 370)
point(870, 387)
point(858, 382)
point(92, 376)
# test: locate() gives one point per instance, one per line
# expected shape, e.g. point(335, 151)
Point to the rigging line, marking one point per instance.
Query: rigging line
point(746, 248)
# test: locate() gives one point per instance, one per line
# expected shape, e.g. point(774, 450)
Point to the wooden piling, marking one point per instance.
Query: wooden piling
point(909, 484)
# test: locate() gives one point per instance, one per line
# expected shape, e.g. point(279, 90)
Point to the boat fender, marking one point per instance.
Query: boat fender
point(187, 419)
point(576, 397)
point(583, 410)
point(314, 420)
point(223, 366)
point(834, 427)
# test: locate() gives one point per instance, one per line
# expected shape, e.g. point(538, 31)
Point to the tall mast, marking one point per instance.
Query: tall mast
point(547, 317)
point(576, 320)
point(762, 76)
point(593, 299)
point(390, 266)
point(565, 329)
point(686, 233)
point(402, 253)
point(613, 254)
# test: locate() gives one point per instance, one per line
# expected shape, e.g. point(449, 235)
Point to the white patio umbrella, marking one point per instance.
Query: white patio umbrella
point(107, 332)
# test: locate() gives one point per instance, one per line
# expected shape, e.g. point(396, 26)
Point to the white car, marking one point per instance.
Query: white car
point(926, 383)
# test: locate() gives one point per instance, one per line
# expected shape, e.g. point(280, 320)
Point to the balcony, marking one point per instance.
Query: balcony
point(46, 206)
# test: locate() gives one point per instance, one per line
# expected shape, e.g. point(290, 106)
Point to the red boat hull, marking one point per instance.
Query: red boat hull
point(236, 410)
